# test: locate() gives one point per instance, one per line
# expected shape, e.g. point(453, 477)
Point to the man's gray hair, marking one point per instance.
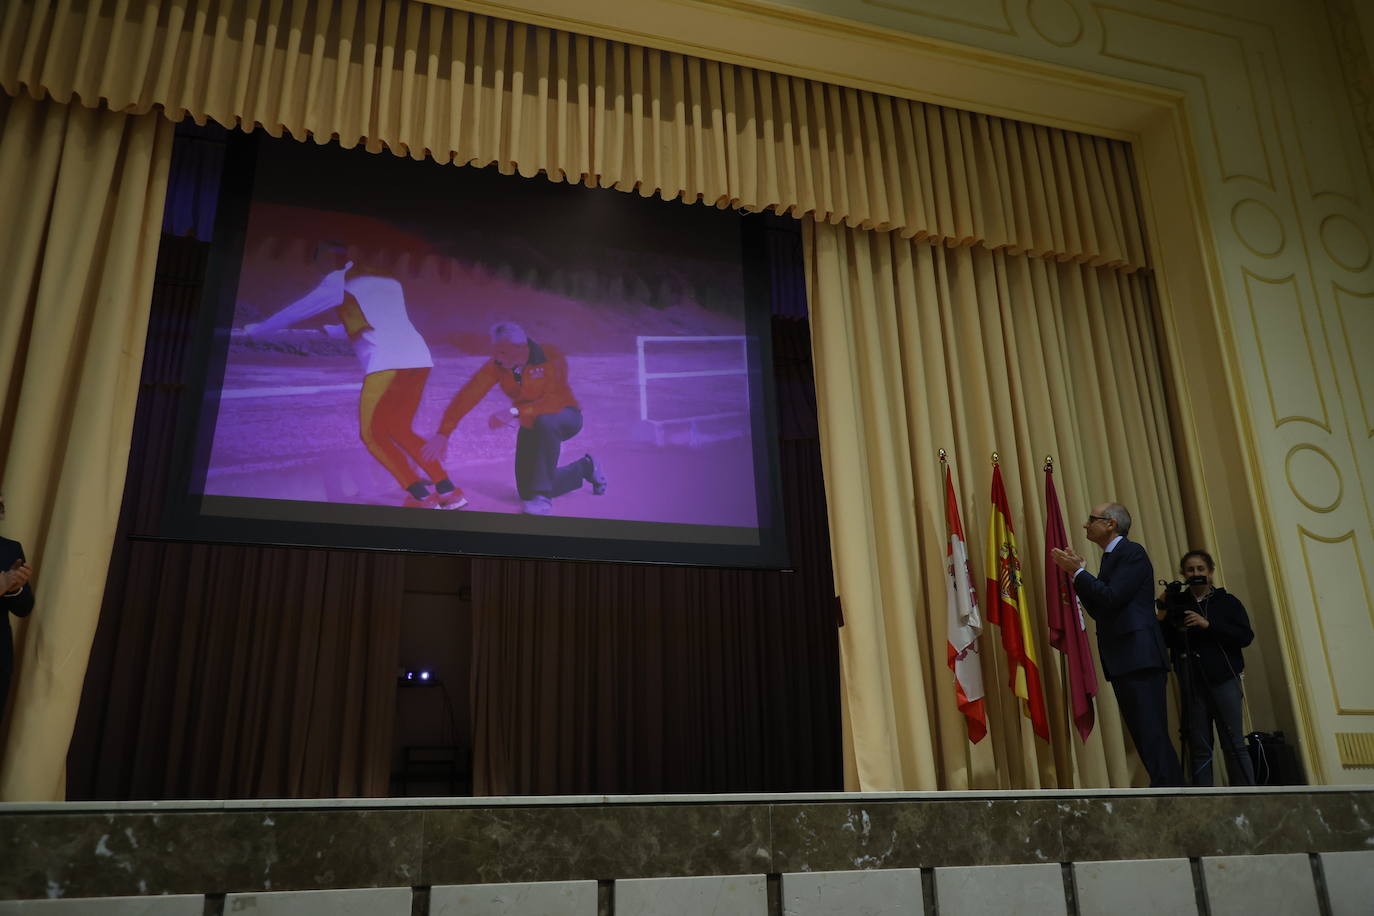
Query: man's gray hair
point(1117, 513)
point(508, 332)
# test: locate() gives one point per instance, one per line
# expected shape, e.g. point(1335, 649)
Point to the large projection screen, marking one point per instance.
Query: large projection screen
point(401, 355)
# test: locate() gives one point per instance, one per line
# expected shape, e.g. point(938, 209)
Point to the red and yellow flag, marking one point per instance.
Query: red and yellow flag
point(1006, 607)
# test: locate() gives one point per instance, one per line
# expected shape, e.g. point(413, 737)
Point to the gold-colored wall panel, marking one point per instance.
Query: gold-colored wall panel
point(1344, 617)
point(1315, 478)
point(1285, 351)
point(1356, 313)
point(1212, 59)
point(987, 15)
point(1356, 748)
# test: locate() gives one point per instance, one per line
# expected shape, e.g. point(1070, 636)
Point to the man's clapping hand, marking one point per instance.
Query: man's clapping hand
point(1067, 560)
point(16, 577)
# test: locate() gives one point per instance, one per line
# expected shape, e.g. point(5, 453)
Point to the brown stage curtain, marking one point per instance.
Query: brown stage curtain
point(424, 80)
point(918, 348)
point(242, 672)
point(229, 672)
point(81, 193)
point(613, 679)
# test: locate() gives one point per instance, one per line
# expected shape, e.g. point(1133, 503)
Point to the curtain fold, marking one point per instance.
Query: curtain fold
point(423, 80)
point(82, 190)
point(622, 679)
point(221, 671)
point(596, 679)
point(920, 347)
point(242, 672)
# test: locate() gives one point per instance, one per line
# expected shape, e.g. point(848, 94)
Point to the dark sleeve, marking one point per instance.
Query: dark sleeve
point(1232, 627)
point(19, 604)
point(1131, 573)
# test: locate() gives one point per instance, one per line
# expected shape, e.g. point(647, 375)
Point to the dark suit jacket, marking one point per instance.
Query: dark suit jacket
point(19, 605)
point(1121, 599)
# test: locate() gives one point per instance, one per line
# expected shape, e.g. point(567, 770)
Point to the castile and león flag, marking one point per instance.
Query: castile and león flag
point(965, 623)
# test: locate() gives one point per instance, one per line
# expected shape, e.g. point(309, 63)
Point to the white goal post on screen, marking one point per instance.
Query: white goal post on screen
point(693, 424)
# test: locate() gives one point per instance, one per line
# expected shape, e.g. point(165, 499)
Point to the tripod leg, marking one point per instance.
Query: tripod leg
point(1199, 730)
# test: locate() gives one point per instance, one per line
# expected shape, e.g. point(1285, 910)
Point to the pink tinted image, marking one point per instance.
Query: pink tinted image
point(385, 359)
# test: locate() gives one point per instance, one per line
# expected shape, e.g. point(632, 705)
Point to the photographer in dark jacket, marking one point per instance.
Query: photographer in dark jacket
point(1205, 628)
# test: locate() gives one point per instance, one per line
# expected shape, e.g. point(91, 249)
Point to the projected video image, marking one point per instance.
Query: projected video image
point(450, 340)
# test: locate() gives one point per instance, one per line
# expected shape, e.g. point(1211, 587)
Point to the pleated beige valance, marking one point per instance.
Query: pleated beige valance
point(426, 80)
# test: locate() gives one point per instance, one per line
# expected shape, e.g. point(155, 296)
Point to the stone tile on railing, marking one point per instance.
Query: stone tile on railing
point(1027, 890)
point(1205, 824)
point(1245, 885)
point(90, 854)
point(915, 834)
point(367, 901)
point(318, 849)
point(515, 844)
point(885, 892)
point(545, 898)
point(181, 905)
point(1349, 882)
point(728, 895)
point(1135, 887)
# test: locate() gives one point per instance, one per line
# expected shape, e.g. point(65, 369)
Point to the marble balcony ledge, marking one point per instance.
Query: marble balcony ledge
point(85, 849)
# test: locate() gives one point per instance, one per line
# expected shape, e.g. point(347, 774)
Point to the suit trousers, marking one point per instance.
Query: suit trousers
point(1141, 696)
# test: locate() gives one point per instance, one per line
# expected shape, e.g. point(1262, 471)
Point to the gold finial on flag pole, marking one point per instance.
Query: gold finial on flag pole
point(1049, 463)
point(944, 457)
point(995, 458)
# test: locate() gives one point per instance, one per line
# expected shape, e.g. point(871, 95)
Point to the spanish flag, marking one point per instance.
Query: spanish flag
point(1006, 607)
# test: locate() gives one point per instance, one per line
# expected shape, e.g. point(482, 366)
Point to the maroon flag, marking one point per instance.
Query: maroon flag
point(1068, 631)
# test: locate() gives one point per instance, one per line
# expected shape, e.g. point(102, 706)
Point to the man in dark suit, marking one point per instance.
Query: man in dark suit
point(16, 597)
point(1121, 599)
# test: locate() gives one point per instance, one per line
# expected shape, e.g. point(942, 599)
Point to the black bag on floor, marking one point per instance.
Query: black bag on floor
point(1275, 762)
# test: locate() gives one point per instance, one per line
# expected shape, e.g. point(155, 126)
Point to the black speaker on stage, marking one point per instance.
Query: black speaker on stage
point(1275, 761)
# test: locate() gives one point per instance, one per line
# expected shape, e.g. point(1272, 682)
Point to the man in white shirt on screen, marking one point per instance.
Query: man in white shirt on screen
point(396, 364)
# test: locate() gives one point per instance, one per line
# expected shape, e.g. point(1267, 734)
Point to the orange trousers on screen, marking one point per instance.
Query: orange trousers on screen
point(385, 413)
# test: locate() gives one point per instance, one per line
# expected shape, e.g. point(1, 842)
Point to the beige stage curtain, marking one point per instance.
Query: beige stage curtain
point(920, 347)
point(82, 192)
point(424, 80)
